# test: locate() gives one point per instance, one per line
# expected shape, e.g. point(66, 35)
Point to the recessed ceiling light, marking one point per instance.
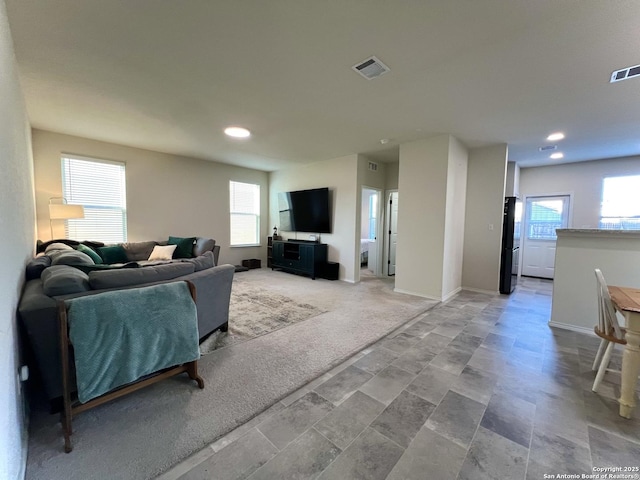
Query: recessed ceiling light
point(554, 137)
point(557, 155)
point(237, 132)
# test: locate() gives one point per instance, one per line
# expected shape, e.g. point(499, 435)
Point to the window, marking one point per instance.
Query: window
point(99, 186)
point(545, 216)
point(244, 204)
point(620, 209)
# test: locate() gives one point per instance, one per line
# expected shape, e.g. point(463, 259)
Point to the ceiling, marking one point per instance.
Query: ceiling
point(169, 76)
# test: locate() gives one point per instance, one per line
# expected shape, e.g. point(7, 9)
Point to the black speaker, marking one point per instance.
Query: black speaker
point(330, 271)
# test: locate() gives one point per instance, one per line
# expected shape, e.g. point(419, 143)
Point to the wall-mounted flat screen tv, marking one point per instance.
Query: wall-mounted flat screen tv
point(305, 211)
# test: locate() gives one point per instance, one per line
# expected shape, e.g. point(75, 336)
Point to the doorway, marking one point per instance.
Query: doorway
point(543, 215)
point(370, 239)
point(391, 232)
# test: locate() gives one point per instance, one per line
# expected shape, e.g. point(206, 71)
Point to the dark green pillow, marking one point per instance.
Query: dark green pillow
point(91, 252)
point(184, 246)
point(114, 254)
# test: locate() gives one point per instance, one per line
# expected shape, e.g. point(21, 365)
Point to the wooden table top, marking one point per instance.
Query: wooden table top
point(626, 298)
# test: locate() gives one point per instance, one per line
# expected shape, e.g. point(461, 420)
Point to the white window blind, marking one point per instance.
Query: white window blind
point(244, 201)
point(100, 187)
point(620, 203)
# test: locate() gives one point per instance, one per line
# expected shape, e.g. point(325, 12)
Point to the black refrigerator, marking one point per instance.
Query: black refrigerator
point(510, 256)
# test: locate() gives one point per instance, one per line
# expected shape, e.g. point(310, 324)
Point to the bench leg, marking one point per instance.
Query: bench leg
point(192, 371)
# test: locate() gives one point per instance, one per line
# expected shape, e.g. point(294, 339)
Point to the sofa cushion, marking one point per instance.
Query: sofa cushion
point(137, 251)
point(184, 246)
point(113, 254)
point(162, 252)
point(70, 257)
point(63, 279)
point(36, 266)
point(103, 266)
point(91, 252)
point(202, 262)
point(202, 245)
point(136, 276)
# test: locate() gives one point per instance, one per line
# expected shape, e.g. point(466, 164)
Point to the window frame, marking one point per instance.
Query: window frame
point(122, 236)
point(240, 213)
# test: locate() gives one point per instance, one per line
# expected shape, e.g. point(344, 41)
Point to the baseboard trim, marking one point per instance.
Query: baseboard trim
point(451, 295)
point(573, 328)
point(407, 292)
point(481, 290)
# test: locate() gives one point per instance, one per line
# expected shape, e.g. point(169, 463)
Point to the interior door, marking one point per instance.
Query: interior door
point(543, 215)
point(393, 231)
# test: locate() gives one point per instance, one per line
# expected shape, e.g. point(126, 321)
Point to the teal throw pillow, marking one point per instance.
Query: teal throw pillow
point(91, 252)
point(114, 254)
point(184, 246)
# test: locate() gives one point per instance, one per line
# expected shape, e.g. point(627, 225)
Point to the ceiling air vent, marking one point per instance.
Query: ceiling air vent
point(546, 148)
point(373, 166)
point(625, 74)
point(371, 68)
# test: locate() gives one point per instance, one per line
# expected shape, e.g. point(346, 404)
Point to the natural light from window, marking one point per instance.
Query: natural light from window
point(620, 209)
point(244, 203)
point(545, 217)
point(100, 187)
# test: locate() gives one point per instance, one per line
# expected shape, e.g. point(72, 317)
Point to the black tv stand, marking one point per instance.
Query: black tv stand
point(299, 256)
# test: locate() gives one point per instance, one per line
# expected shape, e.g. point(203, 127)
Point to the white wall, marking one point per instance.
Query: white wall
point(578, 254)
point(340, 176)
point(391, 175)
point(483, 223)
point(454, 218)
point(17, 225)
point(166, 194)
point(422, 187)
point(583, 179)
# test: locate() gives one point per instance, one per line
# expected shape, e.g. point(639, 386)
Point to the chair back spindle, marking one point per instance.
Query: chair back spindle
point(607, 320)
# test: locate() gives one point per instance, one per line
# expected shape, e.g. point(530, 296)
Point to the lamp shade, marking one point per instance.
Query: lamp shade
point(63, 211)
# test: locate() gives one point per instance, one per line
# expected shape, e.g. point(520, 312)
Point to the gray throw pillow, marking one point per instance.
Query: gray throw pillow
point(36, 266)
point(202, 245)
point(137, 251)
point(70, 257)
point(63, 280)
point(57, 246)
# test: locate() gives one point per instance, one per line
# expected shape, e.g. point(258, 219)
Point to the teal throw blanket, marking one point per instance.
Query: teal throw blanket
point(121, 336)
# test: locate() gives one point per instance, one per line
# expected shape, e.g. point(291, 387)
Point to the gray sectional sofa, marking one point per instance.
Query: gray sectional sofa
point(67, 274)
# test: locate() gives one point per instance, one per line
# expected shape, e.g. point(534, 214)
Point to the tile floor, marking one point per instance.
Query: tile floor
point(478, 388)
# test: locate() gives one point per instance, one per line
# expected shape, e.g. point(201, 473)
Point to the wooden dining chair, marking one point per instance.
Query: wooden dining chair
point(607, 329)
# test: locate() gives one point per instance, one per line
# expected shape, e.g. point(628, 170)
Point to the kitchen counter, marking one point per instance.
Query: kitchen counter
point(578, 253)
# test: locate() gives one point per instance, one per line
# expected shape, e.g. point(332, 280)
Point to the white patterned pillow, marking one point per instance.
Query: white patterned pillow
point(162, 252)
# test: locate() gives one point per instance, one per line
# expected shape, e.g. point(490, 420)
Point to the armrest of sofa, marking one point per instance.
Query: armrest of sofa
point(213, 293)
point(39, 316)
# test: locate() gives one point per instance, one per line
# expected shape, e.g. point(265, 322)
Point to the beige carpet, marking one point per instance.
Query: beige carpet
point(145, 433)
point(254, 311)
